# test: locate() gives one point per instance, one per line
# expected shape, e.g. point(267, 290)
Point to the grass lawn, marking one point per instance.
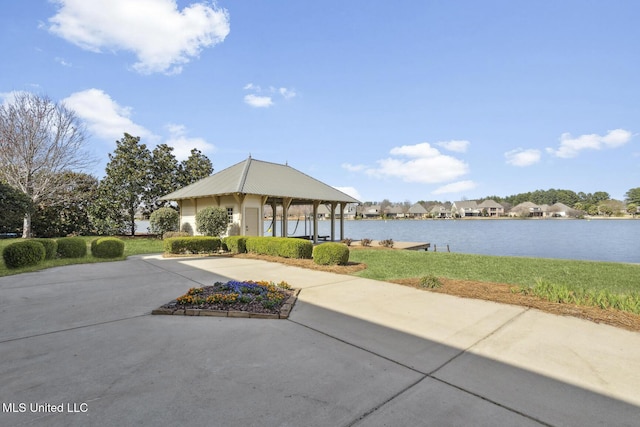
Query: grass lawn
point(132, 246)
point(620, 278)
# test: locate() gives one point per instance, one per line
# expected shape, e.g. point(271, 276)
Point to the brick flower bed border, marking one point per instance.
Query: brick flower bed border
point(285, 309)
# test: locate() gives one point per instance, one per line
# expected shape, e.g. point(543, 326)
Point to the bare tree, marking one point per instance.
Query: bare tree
point(39, 139)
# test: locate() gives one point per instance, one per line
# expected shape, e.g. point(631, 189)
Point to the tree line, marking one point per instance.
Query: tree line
point(43, 191)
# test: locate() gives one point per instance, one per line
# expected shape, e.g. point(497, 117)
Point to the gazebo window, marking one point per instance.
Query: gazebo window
point(230, 215)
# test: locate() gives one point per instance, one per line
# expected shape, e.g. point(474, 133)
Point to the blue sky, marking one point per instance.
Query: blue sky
point(408, 100)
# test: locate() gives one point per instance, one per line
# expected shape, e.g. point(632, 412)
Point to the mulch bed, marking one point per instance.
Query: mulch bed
point(251, 309)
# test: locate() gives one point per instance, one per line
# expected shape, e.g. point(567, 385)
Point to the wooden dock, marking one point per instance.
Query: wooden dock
point(410, 246)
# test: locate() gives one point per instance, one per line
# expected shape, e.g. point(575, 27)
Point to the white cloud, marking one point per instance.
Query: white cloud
point(353, 168)
point(521, 157)
point(62, 62)
point(351, 191)
point(459, 146)
point(426, 165)
point(455, 187)
point(182, 144)
point(162, 37)
point(258, 101)
point(287, 93)
point(103, 116)
point(571, 147)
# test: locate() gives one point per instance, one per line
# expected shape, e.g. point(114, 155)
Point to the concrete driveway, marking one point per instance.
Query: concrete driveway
point(354, 352)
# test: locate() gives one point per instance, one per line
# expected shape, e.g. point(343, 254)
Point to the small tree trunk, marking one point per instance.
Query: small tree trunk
point(26, 227)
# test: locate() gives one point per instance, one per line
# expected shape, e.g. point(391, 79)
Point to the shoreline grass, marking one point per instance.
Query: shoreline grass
point(606, 285)
point(619, 278)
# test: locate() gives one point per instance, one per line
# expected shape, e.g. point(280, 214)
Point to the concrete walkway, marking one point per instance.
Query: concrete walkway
point(354, 352)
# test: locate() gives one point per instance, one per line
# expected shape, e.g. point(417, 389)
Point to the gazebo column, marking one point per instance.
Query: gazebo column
point(286, 202)
point(316, 203)
point(342, 208)
point(274, 210)
point(333, 221)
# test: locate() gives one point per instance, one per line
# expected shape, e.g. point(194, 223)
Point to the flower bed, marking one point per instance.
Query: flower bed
point(235, 299)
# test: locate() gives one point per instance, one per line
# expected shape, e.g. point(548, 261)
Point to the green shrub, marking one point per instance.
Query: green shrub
point(107, 247)
point(170, 234)
point(236, 244)
point(71, 247)
point(212, 221)
point(280, 246)
point(23, 253)
point(295, 248)
point(331, 254)
point(50, 247)
point(262, 245)
point(164, 220)
point(192, 245)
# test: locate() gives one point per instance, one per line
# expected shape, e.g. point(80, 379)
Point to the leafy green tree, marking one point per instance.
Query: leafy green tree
point(632, 208)
point(194, 168)
point(40, 139)
point(164, 220)
point(124, 188)
point(600, 196)
point(592, 210)
point(212, 221)
point(66, 211)
point(605, 210)
point(633, 196)
point(15, 204)
point(163, 179)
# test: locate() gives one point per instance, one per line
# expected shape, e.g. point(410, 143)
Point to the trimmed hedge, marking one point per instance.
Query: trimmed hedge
point(72, 247)
point(280, 246)
point(107, 247)
point(236, 244)
point(331, 254)
point(50, 247)
point(23, 254)
point(192, 245)
point(170, 234)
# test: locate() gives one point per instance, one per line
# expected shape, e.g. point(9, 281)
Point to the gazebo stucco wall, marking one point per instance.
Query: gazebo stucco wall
point(246, 187)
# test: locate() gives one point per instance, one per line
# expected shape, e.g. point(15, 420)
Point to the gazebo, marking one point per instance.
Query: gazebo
point(246, 187)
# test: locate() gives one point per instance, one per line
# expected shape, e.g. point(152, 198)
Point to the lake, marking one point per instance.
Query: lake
point(596, 240)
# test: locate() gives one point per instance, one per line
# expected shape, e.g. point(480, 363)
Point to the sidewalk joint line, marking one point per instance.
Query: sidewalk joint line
point(395, 362)
point(75, 328)
point(375, 408)
point(468, 348)
point(515, 411)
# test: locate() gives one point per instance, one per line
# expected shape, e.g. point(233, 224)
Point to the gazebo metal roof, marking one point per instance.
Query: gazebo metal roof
point(275, 181)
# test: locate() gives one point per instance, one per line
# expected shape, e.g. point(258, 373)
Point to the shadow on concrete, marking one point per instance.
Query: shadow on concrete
point(83, 334)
